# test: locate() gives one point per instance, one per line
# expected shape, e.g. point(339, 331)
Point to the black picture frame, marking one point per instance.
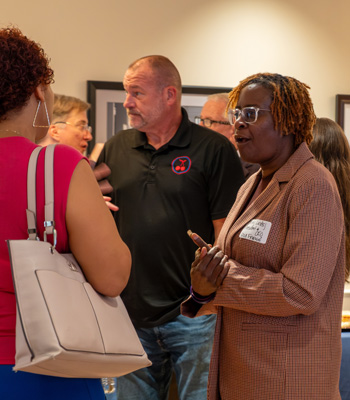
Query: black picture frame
point(106, 99)
point(342, 112)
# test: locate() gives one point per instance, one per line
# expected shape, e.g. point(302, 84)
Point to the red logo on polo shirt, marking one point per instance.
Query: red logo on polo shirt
point(181, 165)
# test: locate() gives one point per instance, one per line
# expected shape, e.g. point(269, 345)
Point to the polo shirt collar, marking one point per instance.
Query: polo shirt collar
point(180, 139)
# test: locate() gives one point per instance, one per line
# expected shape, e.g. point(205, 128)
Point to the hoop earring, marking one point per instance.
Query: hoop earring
point(36, 114)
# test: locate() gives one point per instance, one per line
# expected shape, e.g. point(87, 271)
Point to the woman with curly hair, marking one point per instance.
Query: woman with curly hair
point(276, 278)
point(26, 102)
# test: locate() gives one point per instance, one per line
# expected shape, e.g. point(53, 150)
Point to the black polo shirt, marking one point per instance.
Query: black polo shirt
point(187, 183)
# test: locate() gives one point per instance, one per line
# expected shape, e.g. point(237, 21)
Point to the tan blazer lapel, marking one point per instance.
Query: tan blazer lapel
point(281, 177)
point(264, 199)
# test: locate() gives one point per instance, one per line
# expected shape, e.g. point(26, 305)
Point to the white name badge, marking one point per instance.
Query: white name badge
point(256, 230)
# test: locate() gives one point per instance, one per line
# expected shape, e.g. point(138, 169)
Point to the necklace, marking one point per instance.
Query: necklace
point(10, 130)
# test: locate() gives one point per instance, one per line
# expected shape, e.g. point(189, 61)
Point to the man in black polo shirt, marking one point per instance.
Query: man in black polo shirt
point(168, 175)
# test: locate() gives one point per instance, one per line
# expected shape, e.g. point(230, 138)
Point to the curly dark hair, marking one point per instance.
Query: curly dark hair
point(23, 66)
point(291, 108)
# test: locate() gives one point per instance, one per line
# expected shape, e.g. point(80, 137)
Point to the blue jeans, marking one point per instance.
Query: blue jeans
point(183, 345)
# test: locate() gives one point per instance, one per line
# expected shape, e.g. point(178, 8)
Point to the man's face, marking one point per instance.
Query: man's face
point(75, 133)
point(145, 102)
point(215, 111)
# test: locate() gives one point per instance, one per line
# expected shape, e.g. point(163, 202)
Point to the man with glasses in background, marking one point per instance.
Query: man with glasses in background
point(213, 116)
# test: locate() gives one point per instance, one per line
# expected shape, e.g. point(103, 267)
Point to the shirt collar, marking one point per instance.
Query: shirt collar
point(181, 138)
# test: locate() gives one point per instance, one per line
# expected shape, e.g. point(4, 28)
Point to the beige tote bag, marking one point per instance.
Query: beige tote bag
point(64, 327)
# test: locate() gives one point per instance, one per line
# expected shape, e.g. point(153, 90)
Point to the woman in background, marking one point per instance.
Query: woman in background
point(331, 148)
point(84, 224)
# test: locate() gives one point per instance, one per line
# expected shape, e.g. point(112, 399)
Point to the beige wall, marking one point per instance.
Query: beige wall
point(213, 43)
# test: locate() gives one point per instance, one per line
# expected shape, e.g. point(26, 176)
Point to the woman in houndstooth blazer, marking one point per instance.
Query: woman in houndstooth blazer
point(277, 283)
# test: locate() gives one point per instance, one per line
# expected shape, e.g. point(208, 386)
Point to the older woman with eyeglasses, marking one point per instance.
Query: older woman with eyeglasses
point(84, 224)
point(69, 123)
point(276, 277)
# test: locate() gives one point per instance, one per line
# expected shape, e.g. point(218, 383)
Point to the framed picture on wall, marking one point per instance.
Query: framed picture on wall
point(342, 112)
point(107, 115)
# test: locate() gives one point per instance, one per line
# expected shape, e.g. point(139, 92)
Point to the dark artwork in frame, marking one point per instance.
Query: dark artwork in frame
point(342, 112)
point(107, 115)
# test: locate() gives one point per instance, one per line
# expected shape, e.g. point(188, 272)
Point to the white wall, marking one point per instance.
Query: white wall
point(212, 42)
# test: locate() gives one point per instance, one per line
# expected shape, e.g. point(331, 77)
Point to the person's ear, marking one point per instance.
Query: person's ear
point(171, 94)
point(54, 133)
point(39, 93)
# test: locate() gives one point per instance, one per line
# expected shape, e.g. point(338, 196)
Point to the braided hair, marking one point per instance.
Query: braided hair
point(291, 108)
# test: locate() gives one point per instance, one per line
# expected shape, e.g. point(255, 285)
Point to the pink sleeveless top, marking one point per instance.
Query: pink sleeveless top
point(14, 157)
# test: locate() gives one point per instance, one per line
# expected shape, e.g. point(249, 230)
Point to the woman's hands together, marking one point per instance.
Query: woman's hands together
point(208, 270)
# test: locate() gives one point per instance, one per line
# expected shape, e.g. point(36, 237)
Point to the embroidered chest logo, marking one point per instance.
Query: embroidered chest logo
point(181, 165)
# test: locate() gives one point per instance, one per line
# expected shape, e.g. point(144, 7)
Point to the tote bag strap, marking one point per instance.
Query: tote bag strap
point(49, 222)
point(31, 194)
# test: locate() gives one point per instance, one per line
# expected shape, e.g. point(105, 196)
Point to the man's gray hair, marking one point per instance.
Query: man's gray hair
point(218, 97)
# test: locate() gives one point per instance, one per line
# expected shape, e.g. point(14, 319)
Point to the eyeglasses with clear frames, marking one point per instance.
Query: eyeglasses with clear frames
point(82, 128)
point(248, 114)
point(208, 122)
